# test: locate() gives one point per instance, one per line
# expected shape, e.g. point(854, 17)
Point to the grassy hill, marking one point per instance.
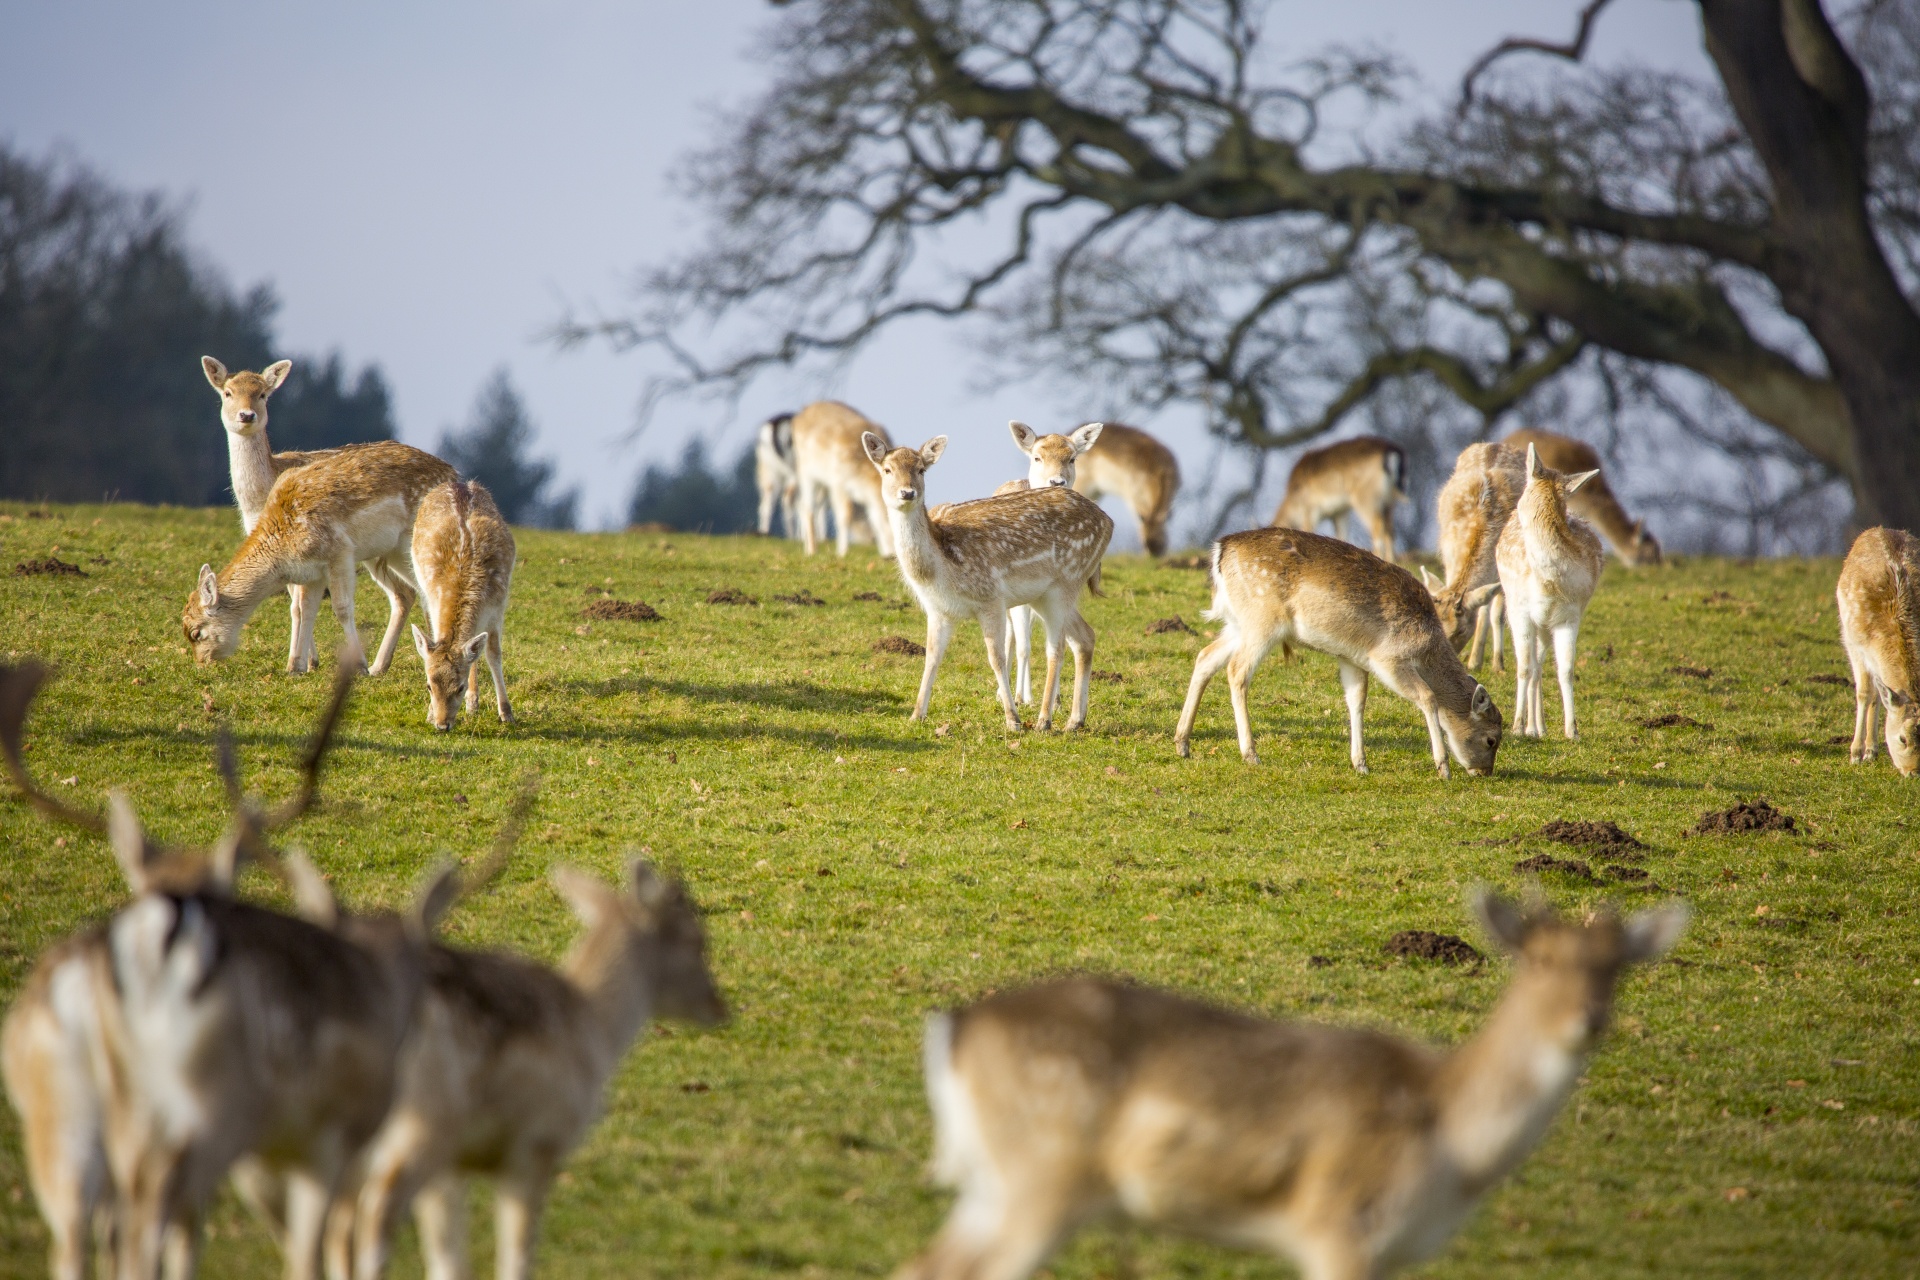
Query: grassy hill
point(1754, 1111)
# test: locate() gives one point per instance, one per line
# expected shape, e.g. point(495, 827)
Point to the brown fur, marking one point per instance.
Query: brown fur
point(1359, 478)
point(463, 554)
point(1549, 564)
point(827, 457)
point(1286, 587)
point(1144, 473)
point(1473, 507)
point(1595, 502)
point(1880, 631)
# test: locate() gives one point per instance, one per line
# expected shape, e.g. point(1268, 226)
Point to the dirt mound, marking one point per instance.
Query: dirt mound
point(1421, 944)
point(1698, 673)
point(57, 568)
point(873, 596)
point(901, 645)
point(730, 595)
point(1629, 874)
point(1161, 626)
point(802, 596)
point(1184, 562)
point(1604, 836)
point(1748, 815)
point(1108, 677)
point(1673, 720)
point(1826, 677)
point(621, 611)
point(1543, 862)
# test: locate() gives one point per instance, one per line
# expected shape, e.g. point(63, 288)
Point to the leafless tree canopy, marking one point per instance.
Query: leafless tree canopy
point(1155, 200)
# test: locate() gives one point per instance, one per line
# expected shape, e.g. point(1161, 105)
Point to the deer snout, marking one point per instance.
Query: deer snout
point(246, 417)
point(1058, 482)
point(907, 494)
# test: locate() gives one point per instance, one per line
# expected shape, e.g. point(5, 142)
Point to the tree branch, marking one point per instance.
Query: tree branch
point(1573, 51)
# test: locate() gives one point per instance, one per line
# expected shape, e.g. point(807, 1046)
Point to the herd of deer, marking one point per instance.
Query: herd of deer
point(342, 1067)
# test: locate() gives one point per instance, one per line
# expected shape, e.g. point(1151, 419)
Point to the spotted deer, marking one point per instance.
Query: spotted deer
point(462, 553)
point(1286, 587)
point(1052, 461)
point(1360, 479)
point(1549, 563)
point(828, 461)
point(1595, 502)
point(1038, 547)
point(1880, 631)
point(1141, 471)
point(321, 521)
point(773, 474)
point(508, 1066)
point(1473, 507)
point(1347, 1151)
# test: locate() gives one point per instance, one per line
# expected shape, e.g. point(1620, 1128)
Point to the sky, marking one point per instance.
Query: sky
point(432, 192)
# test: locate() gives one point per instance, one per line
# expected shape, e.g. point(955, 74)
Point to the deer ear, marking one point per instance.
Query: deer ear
point(209, 587)
point(1482, 700)
point(583, 892)
point(649, 888)
point(1024, 436)
point(436, 897)
point(1534, 469)
point(473, 648)
point(215, 371)
point(930, 451)
point(1648, 935)
point(1480, 595)
point(1426, 579)
point(1084, 438)
point(1574, 482)
point(275, 374)
point(1895, 698)
point(1504, 922)
point(313, 899)
point(876, 447)
point(421, 642)
point(129, 841)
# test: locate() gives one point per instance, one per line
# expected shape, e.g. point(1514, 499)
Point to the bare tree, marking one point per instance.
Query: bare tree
point(1158, 202)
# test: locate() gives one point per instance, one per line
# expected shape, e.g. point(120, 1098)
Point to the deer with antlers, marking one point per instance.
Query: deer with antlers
point(1349, 1152)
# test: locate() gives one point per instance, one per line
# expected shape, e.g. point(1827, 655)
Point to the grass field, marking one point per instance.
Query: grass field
point(1754, 1111)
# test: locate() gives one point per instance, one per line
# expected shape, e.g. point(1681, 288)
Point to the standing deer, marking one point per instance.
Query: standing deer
point(1038, 547)
point(509, 1062)
point(1880, 631)
point(1051, 463)
point(1143, 472)
point(1595, 502)
point(1549, 565)
point(773, 473)
point(1474, 506)
point(1349, 1152)
point(462, 553)
point(1360, 479)
point(828, 460)
point(321, 520)
point(1282, 586)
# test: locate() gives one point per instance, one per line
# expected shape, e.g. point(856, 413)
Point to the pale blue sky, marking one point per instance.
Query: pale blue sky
point(426, 186)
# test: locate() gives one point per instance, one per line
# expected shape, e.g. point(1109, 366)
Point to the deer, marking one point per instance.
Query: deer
point(509, 1062)
point(1037, 547)
point(1350, 1152)
point(827, 462)
point(1473, 507)
point(1141, 471)
point(1288, 587)
point(321, 520)
point(773, 473)
point(1360, 479)
point(1052, 461)
point(1549, 564)
point(462, 553)
point(1595, 502)
point(1880, 632)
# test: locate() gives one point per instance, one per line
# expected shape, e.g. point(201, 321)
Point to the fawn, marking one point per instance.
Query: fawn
point(1880, 631)
point(1595, 502)
point(321, 520)
point(1286, 587)
point(1360, 479)
point(1143, 472)
point(773, 474)
point(828, 460)
point(509, 1062)
point(462, 554)
point(1549, 565)
point(1051, 462)
point(1036, 547)
point(1473, 507)
point(1350, 1152)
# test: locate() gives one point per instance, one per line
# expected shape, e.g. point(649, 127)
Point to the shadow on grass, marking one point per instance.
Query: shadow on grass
point(253, 747)
point(786, 695)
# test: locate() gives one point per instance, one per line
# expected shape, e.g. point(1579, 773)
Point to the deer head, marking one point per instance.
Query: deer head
point(243, 395)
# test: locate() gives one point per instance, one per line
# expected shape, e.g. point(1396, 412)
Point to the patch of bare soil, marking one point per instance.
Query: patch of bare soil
point(730, 595)
point(1748, 815)
point(900, 645)
point(1603, 836)
point(1540, 862)
point(50, 566)
point(873, 596)
point(1827, 677)
point(1108, 677)
point(1698, 673)
point(1161, 626)
point(1673, 720)
point(1840, 740)
point(1631, 875)
point(1422, 944)
point(621, 611)
point(1184, 562)
point(802, 597)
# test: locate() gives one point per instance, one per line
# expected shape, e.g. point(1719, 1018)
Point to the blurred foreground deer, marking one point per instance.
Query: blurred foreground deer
point(1348, 1152)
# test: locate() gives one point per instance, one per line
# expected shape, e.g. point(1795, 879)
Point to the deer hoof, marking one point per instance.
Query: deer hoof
point(1182, 750)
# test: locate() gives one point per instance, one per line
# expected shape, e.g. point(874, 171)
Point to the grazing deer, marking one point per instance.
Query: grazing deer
point(1595, 502)
point(462, 554)
point(1037, 547)
point(1350, 1152)
point(509, 1062)
point(1051, 463)
point(320, 521)
point(1141, 471)
point(1286, 587)
point(828, 461)
point(1359, 478)
point(1880, 630)
point(773, 473)
point(1549, 565)
point(1474, 506)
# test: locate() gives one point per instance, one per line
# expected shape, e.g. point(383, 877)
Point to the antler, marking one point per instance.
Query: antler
point(488, 869)
point(302, 800)
point(18, 686)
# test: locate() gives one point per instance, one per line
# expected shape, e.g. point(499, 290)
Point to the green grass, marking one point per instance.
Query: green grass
point(858, 870)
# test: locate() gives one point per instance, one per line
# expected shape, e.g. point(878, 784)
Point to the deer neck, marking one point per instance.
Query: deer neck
point(1500, 1090)
point(1543, 523)
point(250, 462)
point(250, 579)
point(914, 544)
point(617, 989)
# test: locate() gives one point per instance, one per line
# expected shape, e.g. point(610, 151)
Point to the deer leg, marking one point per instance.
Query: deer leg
point(991, 1236)
point(993, 626)
point(1050, 688)
point(882, 528)
point(309, 1198)
point(496, 668)
point(1080, 640)
point(1020, 642)
point(1564, 638)
point(340, 585)
point(1523, 673)
point(440, 1213)
point(296, 606)
point(1206, 665)
point(1496, 611)
point(1380, 533)
point(807, 500)
point(1477, 651)
point(765, 521)
point(400, 597)
point(516, 1221)
point(939, 633)
point(1354, 680)
point(1863, 698)
point(399, 1166)
point(842, 518)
